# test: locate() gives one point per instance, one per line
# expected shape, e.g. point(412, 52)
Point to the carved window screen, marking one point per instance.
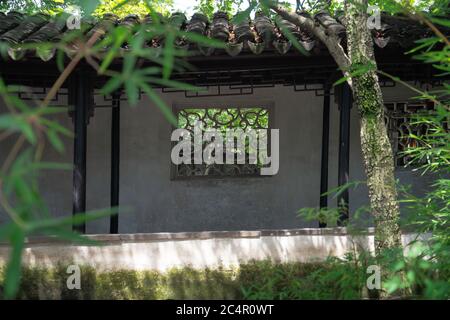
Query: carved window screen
point(222, 119)
point(401, 123)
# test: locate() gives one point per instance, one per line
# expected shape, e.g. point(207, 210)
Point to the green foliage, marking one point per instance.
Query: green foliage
point(120, 8)
point(229, 118)
point(209, 7)
point(359, 222)
point(181, 283)
point(28, 6)
point(435, 7)
point(19, 189)
point(254, 280)
point(423, 272)
point(333, 279)
point(427, 267)
point(346, 278)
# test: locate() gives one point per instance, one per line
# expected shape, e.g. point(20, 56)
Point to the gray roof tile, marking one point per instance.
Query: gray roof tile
point(257, 36)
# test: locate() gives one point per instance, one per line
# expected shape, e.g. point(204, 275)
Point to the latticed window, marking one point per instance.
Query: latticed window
point(402, 126)
point(241, 135)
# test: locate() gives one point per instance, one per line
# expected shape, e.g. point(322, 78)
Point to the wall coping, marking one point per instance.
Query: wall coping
point(203, 235)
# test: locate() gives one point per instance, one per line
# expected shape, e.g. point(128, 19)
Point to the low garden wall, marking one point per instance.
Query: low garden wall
point(198, 250)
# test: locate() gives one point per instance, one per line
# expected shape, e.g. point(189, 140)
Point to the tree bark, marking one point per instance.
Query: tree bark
point(375, 144)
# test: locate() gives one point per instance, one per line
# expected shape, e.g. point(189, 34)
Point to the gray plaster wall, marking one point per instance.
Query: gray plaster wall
point(155, 203)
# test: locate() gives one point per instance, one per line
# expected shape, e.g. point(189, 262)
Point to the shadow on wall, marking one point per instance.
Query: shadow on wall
point(147, 253)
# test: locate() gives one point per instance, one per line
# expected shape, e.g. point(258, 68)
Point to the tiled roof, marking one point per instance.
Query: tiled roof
point(256, 36)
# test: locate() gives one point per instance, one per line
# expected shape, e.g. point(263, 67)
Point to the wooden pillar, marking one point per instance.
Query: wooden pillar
point(345, 104)
point(115, 161)
point(325, 148)
point(81, 93)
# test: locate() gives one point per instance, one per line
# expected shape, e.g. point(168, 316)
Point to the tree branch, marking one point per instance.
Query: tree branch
point(331, 41)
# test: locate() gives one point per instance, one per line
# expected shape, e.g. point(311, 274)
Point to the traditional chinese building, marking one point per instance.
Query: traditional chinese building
point(121, 155)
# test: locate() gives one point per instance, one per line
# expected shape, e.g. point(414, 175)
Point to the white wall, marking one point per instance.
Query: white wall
point(162, 205)
point(198, 250)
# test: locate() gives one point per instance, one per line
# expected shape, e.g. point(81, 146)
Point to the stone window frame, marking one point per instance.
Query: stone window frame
point(265, 104)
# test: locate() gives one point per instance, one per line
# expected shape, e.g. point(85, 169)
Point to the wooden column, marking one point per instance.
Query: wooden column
point(81, 93)
point(345, 104)
point(115, 161)
point(325, 148)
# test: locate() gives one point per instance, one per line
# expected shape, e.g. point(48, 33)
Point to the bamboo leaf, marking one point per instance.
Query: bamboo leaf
point(13, 270)
point(442, 22)
point(56, 127)
point(89, 6)
point(168, 55)
point(241, 16)
point(113, 84)
point(173, 84)
point(160, 104)
point(77, 219)
point(60, 59)
point(132, 91)
point(18, 124)
point(288, 34)
point(51, 166)
point(202, 40)
point(55, 140)
point(119, 36)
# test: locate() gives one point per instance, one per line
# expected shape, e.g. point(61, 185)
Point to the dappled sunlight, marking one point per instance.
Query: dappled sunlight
point(145, 252)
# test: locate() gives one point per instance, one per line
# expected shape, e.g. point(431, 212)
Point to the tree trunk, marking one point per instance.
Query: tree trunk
point(375, 144)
